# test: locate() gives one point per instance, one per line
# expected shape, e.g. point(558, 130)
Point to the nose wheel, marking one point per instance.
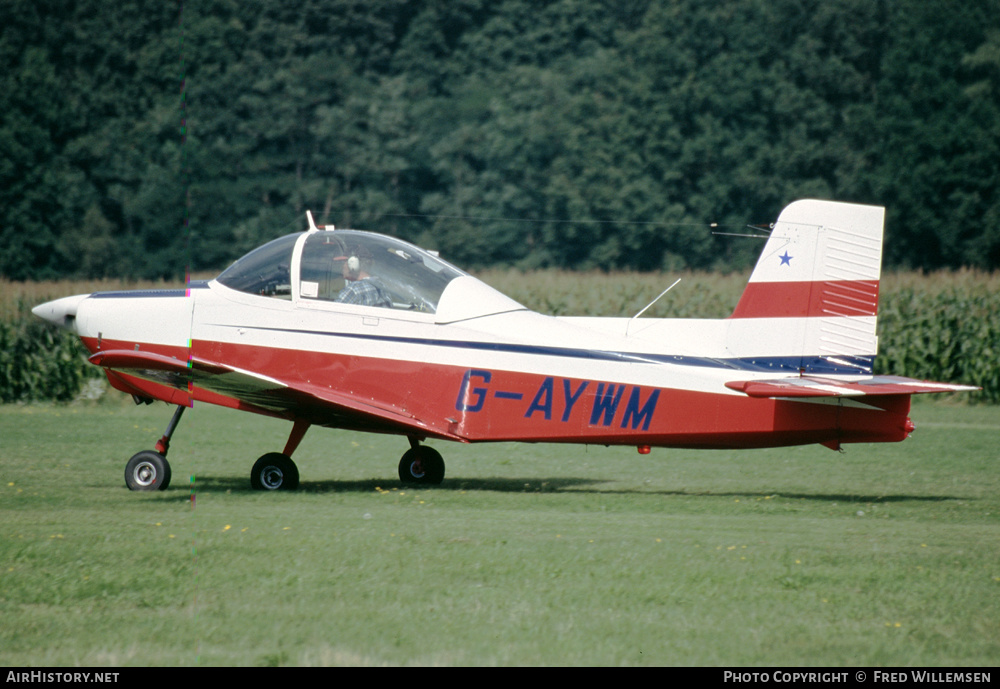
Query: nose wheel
point(147, 470)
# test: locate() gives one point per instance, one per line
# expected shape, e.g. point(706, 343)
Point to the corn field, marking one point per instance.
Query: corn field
point(941, 326)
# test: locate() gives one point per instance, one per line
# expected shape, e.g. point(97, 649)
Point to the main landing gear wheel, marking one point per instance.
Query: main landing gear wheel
point(421, 465)
point(274, 471)
point(147, 470)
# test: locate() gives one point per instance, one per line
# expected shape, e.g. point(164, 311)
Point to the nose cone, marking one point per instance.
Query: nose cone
point(61, 312)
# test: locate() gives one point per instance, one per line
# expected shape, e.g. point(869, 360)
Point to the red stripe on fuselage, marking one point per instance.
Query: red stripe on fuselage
point(484, 404)
point(804, 299)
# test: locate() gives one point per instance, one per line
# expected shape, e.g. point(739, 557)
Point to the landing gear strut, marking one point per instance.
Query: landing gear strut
point(149, 469)
point(421, 465)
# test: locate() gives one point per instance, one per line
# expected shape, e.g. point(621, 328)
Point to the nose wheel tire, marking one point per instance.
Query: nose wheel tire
point(147, 470)
point(421, 465)
point(274, 471)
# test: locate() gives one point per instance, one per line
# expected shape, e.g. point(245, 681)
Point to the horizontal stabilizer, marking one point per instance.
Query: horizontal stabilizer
point(827, 387)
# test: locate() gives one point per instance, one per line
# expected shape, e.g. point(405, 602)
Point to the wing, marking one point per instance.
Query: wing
point(296, 400)
point(811, 386)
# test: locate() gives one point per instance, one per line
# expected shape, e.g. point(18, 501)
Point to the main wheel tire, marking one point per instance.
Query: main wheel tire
point(274, 471)
point(147, 470)
point(422, 465)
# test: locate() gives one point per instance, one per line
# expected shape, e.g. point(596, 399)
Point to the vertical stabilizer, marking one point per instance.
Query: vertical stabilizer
point(812, 300)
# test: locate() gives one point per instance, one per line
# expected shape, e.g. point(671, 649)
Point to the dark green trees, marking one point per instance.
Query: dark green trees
point(141, 138)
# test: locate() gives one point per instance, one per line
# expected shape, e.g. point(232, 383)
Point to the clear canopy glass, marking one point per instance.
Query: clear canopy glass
point(265, 271)
point(404, 276)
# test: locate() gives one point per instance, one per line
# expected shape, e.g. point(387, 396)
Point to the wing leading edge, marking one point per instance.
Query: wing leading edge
point(323, 406)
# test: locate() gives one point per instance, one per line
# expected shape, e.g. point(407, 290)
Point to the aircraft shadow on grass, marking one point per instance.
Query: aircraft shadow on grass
point(211, 484)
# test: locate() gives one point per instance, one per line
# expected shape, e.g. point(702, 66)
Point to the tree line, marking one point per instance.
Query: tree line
point(143, 138)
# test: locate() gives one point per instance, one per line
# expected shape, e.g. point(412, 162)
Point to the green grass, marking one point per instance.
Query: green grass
point(527, 555)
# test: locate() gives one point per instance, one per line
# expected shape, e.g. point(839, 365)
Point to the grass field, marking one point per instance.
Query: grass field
point(527, 555)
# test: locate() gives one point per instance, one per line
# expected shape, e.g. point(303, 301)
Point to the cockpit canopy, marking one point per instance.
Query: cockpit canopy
point(405, 276)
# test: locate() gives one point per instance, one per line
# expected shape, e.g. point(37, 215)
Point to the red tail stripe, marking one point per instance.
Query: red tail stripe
point(808, 299)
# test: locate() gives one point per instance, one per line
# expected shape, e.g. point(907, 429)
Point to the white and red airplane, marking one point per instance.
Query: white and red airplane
point(430, 352)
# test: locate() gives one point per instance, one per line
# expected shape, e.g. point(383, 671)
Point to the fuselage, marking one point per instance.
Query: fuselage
point(494, 373)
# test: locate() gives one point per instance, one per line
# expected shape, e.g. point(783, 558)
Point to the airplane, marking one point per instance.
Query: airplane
point(436, 354)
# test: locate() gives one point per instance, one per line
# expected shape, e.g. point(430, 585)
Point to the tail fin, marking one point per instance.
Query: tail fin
point(812, 300)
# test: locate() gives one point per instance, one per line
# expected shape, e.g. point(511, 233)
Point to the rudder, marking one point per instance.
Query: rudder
point(812, 300)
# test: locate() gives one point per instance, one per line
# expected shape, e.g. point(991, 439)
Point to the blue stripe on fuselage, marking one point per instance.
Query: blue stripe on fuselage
point(816, 365)
point(150, 293)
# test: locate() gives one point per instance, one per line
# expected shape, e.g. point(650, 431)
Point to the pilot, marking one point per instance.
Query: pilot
point(361, 287)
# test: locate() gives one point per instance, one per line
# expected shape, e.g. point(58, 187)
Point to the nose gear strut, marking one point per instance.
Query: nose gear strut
point(149, 469)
